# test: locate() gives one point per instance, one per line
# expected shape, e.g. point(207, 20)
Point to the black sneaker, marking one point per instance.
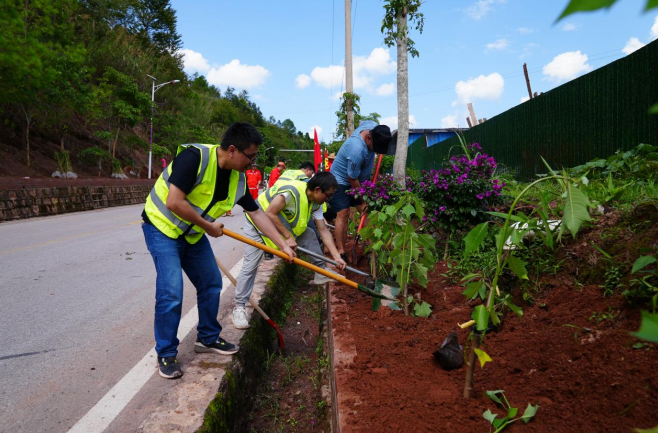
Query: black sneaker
point(169, 368)
point(269, 256)
point(220, 346)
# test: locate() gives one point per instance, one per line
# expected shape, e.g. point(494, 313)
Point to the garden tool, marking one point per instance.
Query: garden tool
point(282, 344)
point(363, 217)
point(384, 294)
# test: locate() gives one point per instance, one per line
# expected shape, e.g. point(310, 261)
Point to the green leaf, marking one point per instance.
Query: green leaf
point(515, 308)
point(518, 218)
point(483, 357)
point(377, 233)
point(408, 210)
point(481, 317)
point(512, 411)
point(648, 328)
point(489, 416)
point(642, 262)
point(576, 209)
point(585, 6)
point(474, 238)
point(472, 289)
point(419, 209)
point(423, 310)
point(530, 411)
point(493, 395)
point(518, 267)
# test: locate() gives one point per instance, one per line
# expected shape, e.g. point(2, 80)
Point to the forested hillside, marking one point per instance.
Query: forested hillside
point(74, 90)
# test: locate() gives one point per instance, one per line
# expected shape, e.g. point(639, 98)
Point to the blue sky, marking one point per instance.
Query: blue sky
point(289, 55)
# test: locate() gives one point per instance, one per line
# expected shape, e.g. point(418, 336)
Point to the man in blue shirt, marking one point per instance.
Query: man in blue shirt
point(353, 165)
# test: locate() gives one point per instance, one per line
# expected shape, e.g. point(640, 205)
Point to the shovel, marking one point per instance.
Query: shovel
point(378, 292)
point(282, 344)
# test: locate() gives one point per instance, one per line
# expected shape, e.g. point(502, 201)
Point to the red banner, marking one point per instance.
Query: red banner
point(317, 152)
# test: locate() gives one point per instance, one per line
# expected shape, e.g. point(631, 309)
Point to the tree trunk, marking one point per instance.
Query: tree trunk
point(400, 164)
point(114, 145)
point(28, 125)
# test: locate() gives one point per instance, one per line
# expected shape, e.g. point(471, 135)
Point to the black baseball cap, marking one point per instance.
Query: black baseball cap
point(381, 138)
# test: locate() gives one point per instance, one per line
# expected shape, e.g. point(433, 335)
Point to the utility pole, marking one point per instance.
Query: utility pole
point(154, 89)
point(348, 66)
point(527, 80)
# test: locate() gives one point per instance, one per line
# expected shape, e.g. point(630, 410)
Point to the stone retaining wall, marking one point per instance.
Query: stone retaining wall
point(40, 197)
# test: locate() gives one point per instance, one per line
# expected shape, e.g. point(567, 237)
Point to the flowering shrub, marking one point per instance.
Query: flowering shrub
point(456, 195)
point(377, 195)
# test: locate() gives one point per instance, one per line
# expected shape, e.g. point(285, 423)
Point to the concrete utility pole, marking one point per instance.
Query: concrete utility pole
point(348, 66)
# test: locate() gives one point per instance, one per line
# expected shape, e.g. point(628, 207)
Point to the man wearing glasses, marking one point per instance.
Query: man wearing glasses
point(290, 205)
point(201, 184)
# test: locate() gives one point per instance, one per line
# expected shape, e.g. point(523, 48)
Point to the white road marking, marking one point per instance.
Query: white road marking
point(108, 408)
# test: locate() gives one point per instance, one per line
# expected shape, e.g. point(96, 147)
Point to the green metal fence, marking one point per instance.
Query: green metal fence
point(590, 117)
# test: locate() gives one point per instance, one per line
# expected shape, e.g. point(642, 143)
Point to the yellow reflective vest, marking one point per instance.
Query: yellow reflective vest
point(297, 221)
point(297, 175)
point(200, 198)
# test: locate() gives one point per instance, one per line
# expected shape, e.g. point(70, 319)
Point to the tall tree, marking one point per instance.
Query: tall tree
point(35, 35)
point(398, 13)
point(156, 20)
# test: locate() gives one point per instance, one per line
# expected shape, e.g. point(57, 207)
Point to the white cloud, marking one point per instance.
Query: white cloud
point(449, 121)
point(527, 50)
point(525, 98)
point(489, 87)
point(499, 44)
point(481, 8)
point(525, 30)
point(302, 81)
point(392, 121)
point(336, 96)
point(632, 45)
point(318, 129)
point(654, 29)
point(236, 74)
point(330, 76)
point(569, 27)
point(365, 71)
point(385, 89)
point(194, 62)
point(567, 66)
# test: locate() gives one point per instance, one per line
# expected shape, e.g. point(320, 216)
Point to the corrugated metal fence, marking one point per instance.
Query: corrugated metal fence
point(589, 117)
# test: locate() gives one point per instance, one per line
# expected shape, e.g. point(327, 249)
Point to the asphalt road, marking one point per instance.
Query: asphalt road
point(76, 314)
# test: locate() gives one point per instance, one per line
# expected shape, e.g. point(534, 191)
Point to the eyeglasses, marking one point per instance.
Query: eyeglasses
point(251, 158)
point(328, 195)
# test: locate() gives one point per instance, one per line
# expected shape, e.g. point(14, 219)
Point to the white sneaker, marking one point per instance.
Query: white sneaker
point(240, 320)
point(321, 279)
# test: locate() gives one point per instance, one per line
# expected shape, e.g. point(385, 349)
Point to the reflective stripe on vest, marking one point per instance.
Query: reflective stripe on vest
point(199, 198)
point(293, 175)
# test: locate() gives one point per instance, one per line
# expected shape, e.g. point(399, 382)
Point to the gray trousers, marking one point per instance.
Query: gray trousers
point(253, 256)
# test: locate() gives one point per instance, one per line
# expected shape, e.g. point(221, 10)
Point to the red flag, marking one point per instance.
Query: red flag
point(317, 152)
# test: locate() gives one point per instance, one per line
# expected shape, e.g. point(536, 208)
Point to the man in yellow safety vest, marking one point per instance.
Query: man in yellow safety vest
point(201, 184)
point(290, 205)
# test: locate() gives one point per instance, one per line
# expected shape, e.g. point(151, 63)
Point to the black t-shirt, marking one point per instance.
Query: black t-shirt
point(184, 174)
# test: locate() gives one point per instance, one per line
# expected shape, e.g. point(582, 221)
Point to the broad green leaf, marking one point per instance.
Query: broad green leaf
point(512, 411)
point(493, 395)
point(481, 317)
point(517, 266)
point(483, 357)
point(530, 411)
point(585, 6)
point(648, 328)
point(500, 423)
point(642, 262)
point(419, 209)
point(489, 416)
point(576, 209)
point(423, 310)
point(472, 289)
point(654, 107)
point(516, 237)
point(377, 233)
point(474, 238)
point(408, 210)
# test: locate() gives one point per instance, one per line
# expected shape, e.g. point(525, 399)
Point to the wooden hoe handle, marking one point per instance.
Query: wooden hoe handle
point(284, 256)
point(235, 284)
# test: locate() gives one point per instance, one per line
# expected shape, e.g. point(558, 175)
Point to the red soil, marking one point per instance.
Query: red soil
point(596, 382)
